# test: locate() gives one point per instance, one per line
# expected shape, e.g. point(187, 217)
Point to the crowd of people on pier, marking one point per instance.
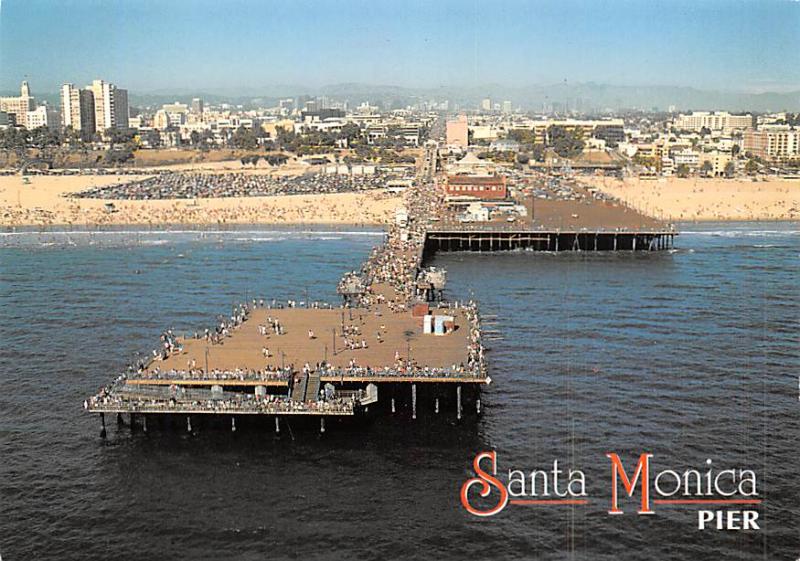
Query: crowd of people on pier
point(225, 325)
point(186, 185)
point(401, 369)
point(353, 338)
point(169, 345)
point(239, 374)
point(109, 400)
point(273, 326)
point(397, 262)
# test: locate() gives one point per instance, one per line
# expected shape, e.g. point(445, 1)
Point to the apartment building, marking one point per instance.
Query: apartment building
point(42, 116)
point(721, 121)
point(773, 142)
point(77, 109)
point(110, 106)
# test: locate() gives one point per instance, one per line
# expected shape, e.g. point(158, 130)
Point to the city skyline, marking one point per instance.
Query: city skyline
point(740, 46)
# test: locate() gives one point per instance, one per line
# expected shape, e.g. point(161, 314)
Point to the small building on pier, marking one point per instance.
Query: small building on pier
point(484, 187)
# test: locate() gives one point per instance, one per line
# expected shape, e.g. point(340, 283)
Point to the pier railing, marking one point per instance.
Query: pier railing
point(160, 400)
point(226, 377)
point(516, 228)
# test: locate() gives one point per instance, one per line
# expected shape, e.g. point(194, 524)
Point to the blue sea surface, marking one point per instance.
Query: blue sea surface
point(689, 355)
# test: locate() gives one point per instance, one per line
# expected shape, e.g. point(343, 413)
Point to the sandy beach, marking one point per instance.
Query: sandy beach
point(707, 199)
point(41, 202)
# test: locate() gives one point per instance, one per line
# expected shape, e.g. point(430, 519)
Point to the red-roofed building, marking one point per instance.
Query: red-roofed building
point(491, 187)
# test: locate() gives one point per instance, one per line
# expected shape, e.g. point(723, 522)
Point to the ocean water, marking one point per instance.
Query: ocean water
point(689, 355)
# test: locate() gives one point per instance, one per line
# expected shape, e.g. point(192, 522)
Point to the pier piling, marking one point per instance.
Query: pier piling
point(413, 401)
point(102, 425)
point(322, 425)
point(277, 425)
point(458, 402)
point(144, 423)
point(436, 407)
point(188, 424)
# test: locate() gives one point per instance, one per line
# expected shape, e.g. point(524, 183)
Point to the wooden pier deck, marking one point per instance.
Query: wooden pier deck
point(400, 336)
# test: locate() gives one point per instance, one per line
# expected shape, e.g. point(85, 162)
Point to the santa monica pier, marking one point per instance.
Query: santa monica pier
point(395, 344)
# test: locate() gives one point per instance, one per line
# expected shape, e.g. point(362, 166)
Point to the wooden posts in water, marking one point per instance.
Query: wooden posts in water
point(144, 424)
point(102, 425)
point(436, 405)
point(478, 406)
point(277, 425)
point(413, 401)
point(393, 408)
point(233, 423)
point(599, 240)
point(322, 425)
point(458, 402)
point(120, 420)
point(188, 423)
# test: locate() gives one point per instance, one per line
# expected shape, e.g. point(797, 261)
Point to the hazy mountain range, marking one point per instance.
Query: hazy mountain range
point(586, 97)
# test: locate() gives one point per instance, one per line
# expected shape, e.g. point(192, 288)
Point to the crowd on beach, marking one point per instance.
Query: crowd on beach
point(83, 171)
point(187, 185)
point(365, 208)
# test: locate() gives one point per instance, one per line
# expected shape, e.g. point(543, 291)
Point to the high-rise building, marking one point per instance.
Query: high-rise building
point(110, 106)
point(486, 104)
point(507, 107)
point(457, 132)
point(77, 109)
point(18, 107)
point(197, 106)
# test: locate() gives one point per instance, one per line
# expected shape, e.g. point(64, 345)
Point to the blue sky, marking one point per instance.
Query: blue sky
point(147, 45)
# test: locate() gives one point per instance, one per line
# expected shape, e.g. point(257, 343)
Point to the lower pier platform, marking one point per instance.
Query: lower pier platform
point(321, 363)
